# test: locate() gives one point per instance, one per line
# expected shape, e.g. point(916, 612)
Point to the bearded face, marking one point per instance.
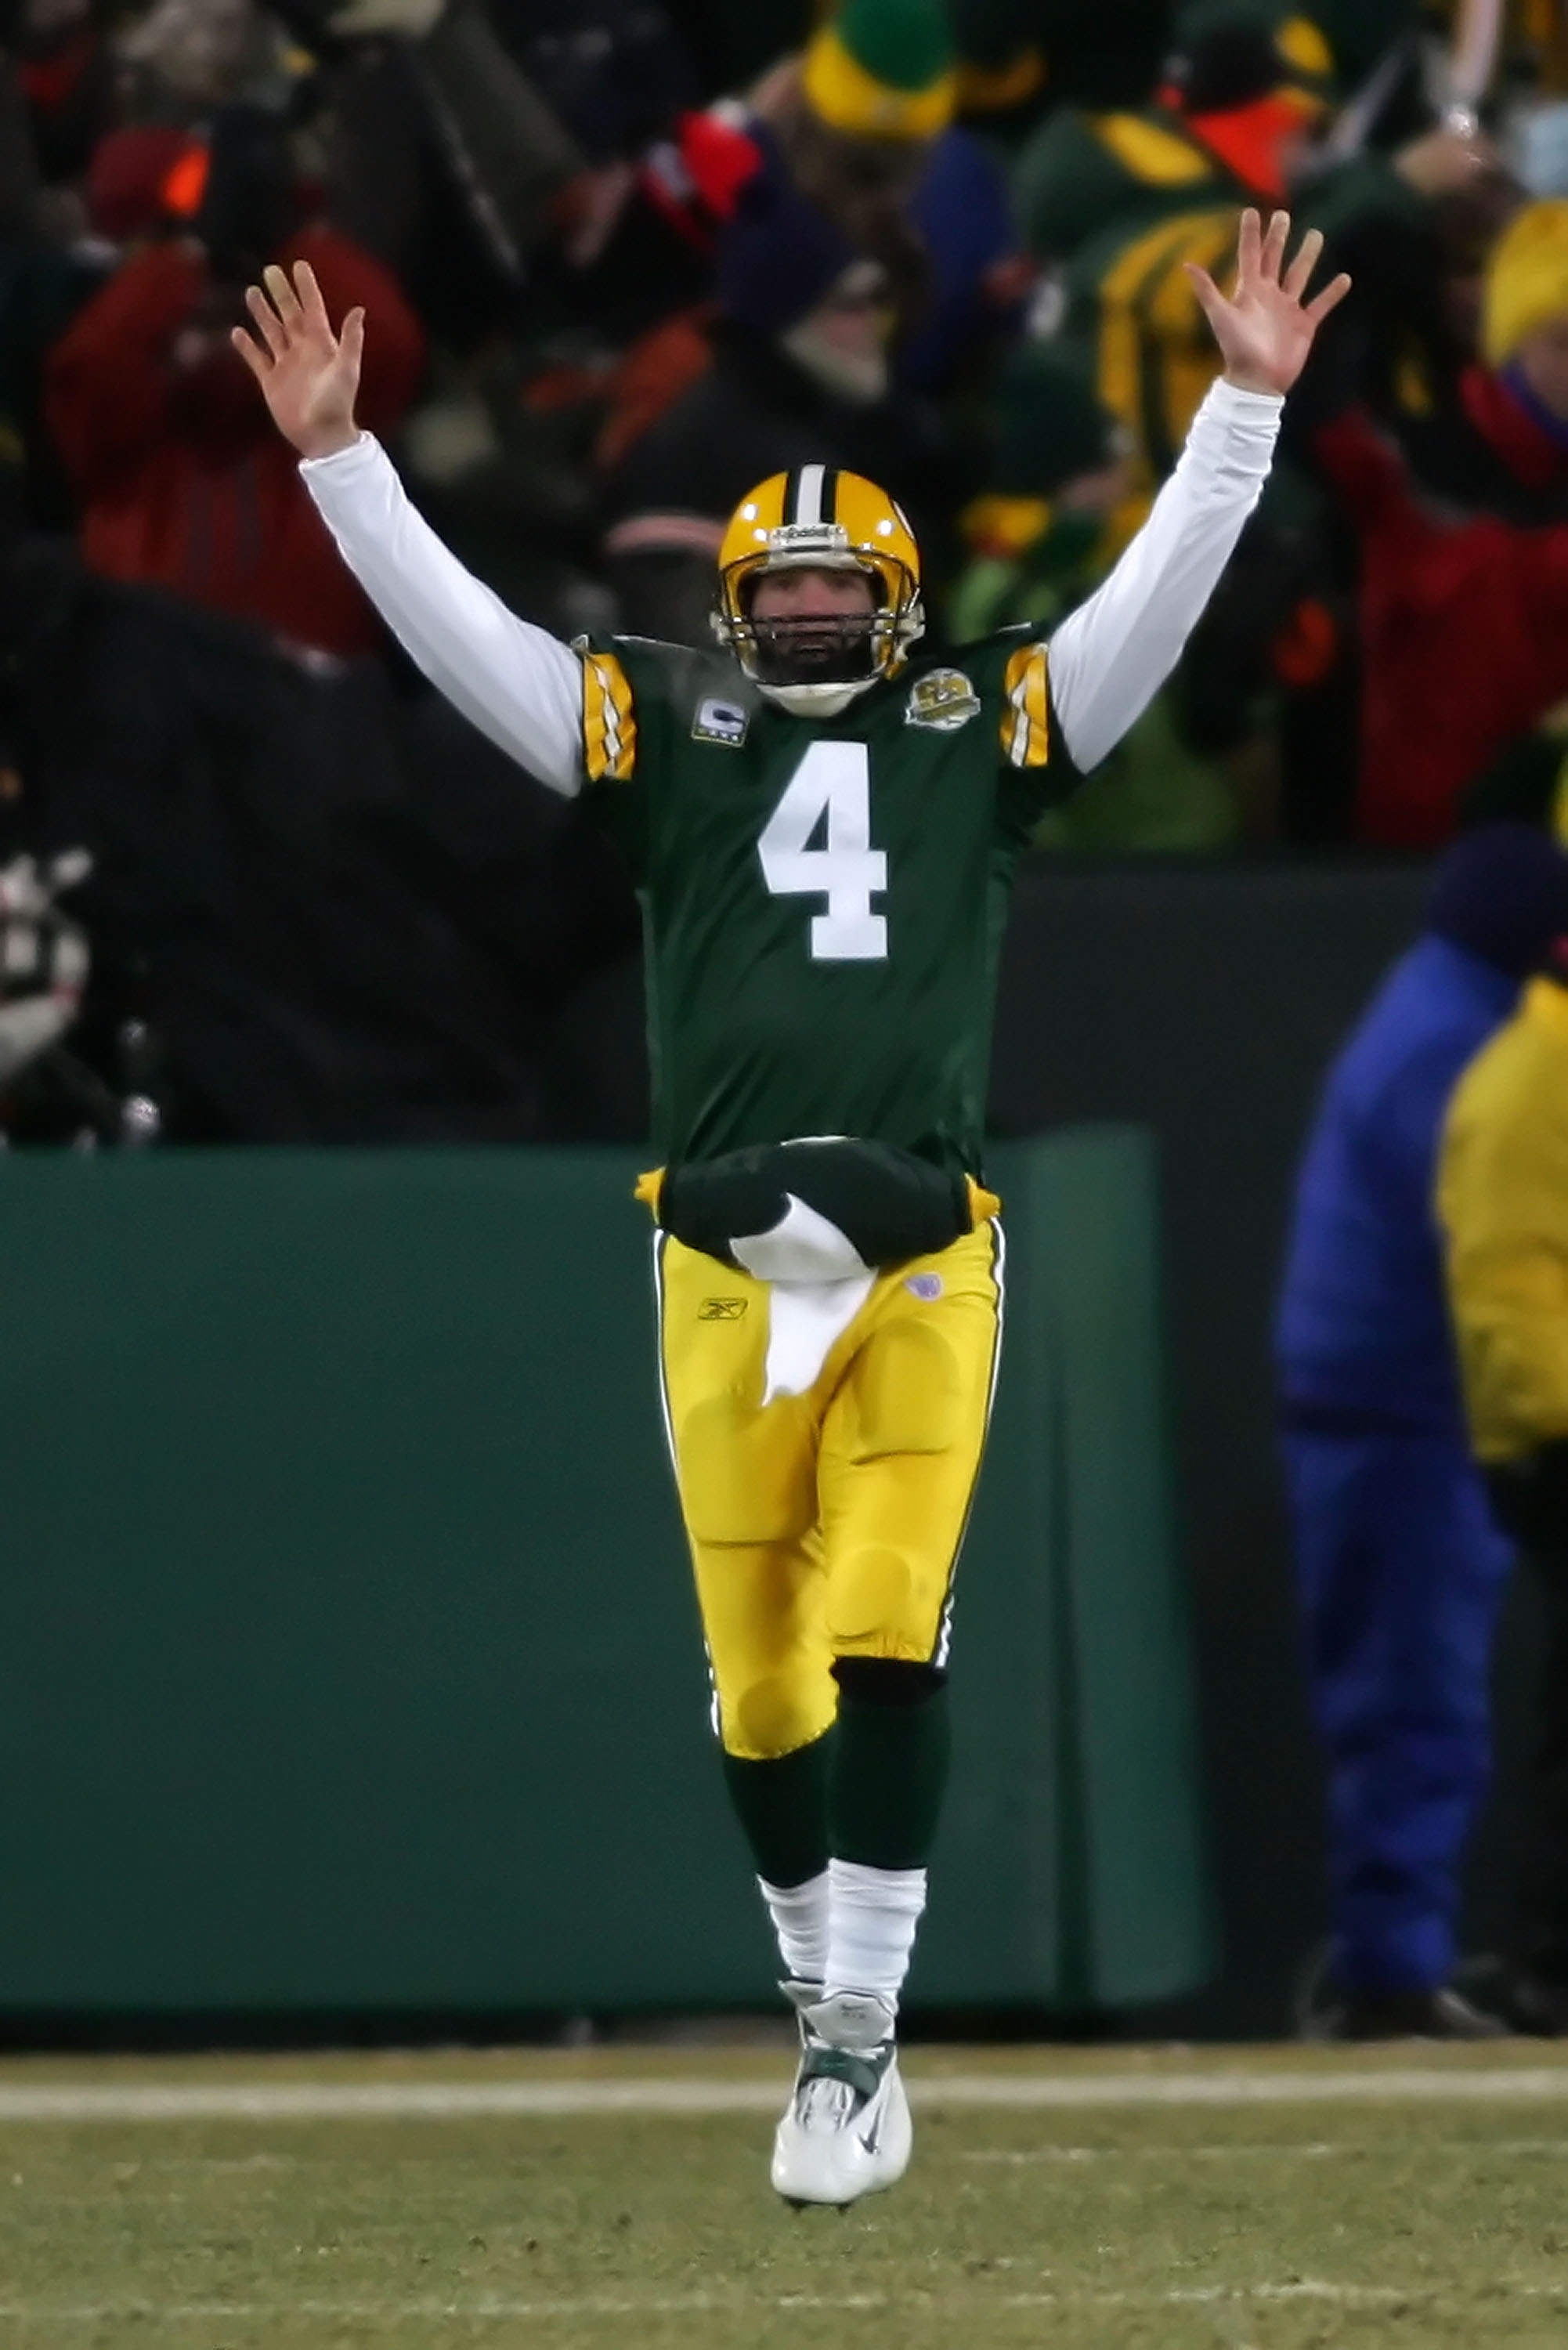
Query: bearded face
point(813, 626)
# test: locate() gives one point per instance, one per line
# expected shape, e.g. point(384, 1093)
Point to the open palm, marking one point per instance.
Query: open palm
point(1264, 330)
point(308, 374)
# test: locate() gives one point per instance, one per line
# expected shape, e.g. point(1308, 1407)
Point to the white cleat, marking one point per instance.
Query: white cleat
point(846, 2130)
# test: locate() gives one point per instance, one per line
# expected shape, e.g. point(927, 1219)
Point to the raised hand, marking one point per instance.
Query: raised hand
point(308, 374)
point(1264, 330)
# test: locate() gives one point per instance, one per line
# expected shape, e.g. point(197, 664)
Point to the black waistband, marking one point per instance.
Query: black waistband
point(887, 1202)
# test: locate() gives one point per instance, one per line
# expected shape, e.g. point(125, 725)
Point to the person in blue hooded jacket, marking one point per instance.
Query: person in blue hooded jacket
point(1399, 1565)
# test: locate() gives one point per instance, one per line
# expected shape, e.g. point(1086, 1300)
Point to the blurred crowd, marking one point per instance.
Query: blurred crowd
point(619, 259)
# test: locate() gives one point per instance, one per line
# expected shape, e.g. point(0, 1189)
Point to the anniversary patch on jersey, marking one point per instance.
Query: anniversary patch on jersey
point(944, 698)
point(721, 722)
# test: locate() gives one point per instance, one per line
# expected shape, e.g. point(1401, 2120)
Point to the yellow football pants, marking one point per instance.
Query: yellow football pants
point(826, 1524)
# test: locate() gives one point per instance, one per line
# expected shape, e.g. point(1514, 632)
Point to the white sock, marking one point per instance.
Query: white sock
point(872, 1917)
point(799, 1913)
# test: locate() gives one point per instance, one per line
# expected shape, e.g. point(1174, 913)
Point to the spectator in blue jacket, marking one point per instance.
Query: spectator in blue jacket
point(1399, 1565)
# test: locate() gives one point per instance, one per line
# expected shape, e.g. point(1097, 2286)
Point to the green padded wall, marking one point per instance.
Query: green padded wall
point(347, 1654)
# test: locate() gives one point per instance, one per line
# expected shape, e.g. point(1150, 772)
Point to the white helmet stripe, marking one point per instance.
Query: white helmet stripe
point(808, 497)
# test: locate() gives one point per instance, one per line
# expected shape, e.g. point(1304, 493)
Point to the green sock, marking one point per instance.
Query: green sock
point(782, 1810)
point(889, 1775)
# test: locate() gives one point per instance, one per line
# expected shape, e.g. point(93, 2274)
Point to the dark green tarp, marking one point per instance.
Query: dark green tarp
point(348, 1659)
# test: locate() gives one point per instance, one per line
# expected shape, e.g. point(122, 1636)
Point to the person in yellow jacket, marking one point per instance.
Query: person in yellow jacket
point(1502, 1202)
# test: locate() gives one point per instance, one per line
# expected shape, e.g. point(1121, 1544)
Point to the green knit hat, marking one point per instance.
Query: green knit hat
point(1225, 53)
point(883, 69)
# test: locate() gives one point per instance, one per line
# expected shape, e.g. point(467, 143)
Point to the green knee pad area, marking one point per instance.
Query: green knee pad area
point(869, 1791)
point(781, 1806)
point(889, 1775)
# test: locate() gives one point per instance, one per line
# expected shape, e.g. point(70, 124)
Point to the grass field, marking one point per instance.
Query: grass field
point(1271, 2200)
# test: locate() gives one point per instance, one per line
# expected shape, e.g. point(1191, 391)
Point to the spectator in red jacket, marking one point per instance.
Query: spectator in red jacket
point(181, 483)
point(1464, 551)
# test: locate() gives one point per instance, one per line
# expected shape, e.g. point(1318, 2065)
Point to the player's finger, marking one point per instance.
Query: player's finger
point(258, 361)
point(312, 308)
point(286, 302)
point(1249, 244)
point(267, 321)
point(352, 342)
point(1273, 251)
point(1211, 300)
point(1332, 294)
point(1298, 276)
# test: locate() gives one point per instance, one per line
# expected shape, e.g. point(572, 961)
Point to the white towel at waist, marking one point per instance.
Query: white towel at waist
point(817, 1283)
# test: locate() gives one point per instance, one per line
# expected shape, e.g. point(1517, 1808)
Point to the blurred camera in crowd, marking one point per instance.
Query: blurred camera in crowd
point(44, 958)
point(52, 1091)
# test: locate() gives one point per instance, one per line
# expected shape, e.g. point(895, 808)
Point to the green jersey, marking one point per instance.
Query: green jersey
point(824, 900)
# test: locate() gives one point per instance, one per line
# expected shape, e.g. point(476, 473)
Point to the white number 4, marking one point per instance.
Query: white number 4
point(834, 779)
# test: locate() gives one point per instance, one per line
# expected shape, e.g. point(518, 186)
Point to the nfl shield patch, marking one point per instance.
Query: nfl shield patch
point(944, 698)
point(720, 722)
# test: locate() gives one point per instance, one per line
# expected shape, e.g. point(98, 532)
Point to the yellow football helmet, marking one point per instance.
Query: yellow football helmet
point(817, 518)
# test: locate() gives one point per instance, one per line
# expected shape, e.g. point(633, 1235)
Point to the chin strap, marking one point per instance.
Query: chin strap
point(821, 698)
point(817, 701)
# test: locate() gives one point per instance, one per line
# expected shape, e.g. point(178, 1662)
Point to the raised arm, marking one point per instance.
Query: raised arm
point(1110, 658)
point(517, 683)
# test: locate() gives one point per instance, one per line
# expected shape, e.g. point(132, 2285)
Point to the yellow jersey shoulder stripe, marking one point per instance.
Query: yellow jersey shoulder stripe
point(609, 719)
point(1161, 159)
point(1026, 716)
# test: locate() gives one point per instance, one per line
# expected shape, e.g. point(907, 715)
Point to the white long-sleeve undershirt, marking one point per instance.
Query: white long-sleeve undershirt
point(1110, 658)
point(520, 685)
point(523, 687)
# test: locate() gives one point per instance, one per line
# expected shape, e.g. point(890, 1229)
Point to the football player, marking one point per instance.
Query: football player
point(823, 819)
